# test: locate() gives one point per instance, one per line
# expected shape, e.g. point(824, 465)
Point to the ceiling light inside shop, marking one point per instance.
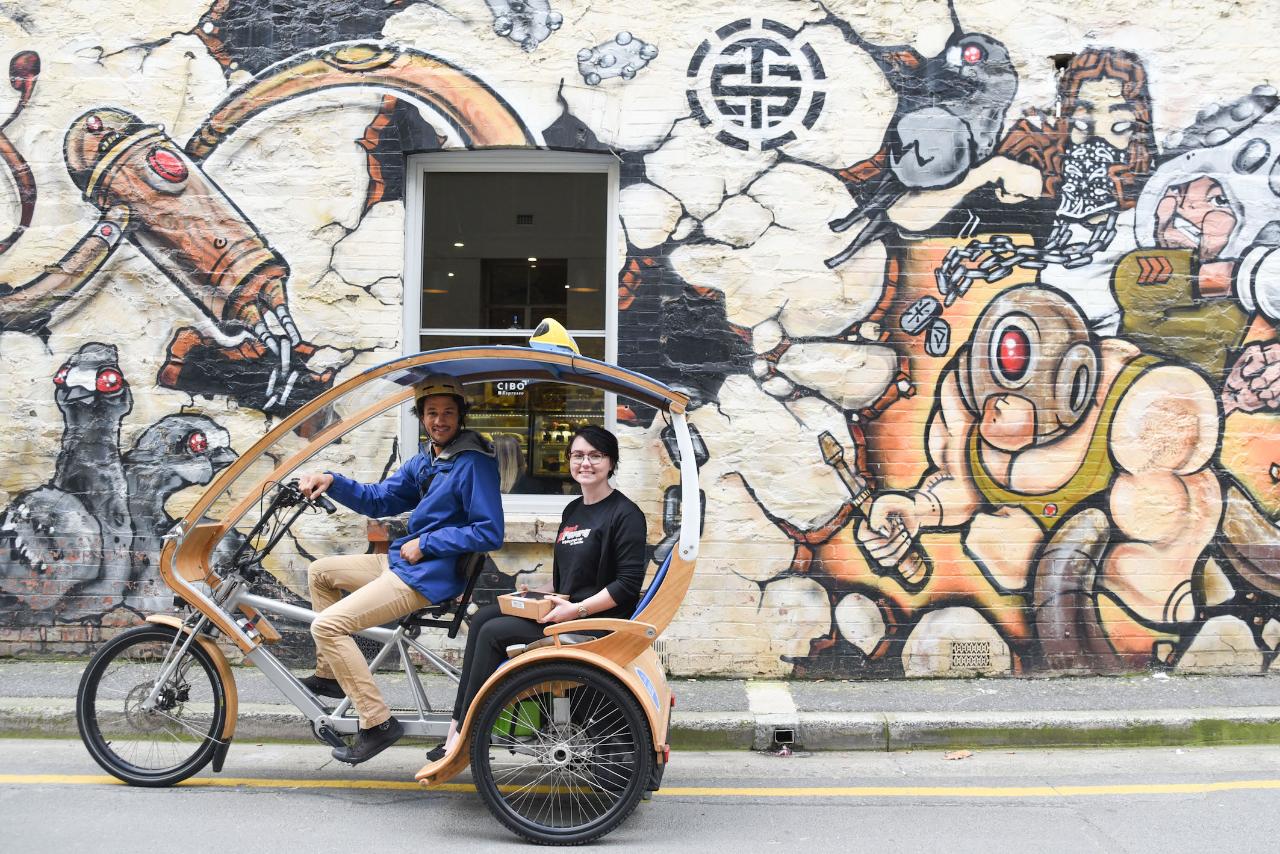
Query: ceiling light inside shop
point(533, 259)
point(459, 245)
point(583, 290)
point(434, 291)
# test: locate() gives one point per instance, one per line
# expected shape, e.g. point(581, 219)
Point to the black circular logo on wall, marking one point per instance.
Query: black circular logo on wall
point(755, 84)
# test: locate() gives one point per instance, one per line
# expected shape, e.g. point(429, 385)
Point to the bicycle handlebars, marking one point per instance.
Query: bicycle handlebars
point(324, 504)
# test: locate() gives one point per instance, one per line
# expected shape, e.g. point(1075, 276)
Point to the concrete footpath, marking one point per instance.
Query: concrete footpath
point(37, 698)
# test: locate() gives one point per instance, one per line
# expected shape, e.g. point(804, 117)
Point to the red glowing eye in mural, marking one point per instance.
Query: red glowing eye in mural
point(167, 165)
point(197, 443)
point(1013, 353)
point(110, 380)
point(61, 376)
point(972, 53)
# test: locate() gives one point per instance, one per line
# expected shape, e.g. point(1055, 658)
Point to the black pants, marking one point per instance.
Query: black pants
point(488, 637)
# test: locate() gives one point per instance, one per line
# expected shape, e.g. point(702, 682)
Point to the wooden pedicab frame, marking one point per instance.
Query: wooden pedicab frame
point(625, 651)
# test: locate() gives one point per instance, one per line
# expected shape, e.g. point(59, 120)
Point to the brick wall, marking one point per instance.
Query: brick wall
point(976, 305)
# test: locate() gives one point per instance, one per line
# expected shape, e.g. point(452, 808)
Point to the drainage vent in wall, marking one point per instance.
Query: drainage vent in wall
point(664, 655)
point(970, 655)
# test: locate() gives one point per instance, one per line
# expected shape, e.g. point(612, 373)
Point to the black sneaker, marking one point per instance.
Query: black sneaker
point(436, 753)
point(370, 742)
point(322, 687)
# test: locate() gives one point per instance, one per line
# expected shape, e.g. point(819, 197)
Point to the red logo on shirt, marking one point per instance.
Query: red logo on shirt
point(572, 535)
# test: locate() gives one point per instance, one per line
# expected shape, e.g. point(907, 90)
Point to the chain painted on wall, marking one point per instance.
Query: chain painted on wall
point(1023, 420)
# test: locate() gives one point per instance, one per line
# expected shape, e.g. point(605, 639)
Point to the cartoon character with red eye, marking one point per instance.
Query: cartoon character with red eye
point(950, 111)
point(70, 540)
point(197, 442)
point(1077, 469)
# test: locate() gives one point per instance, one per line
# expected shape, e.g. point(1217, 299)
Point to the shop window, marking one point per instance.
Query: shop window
point(498, 241)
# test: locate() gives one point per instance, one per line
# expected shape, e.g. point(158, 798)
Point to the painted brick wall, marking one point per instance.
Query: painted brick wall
point(976, 303)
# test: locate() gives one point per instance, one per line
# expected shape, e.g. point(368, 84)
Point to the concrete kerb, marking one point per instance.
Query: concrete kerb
point(1126, 728)
point(691, 730)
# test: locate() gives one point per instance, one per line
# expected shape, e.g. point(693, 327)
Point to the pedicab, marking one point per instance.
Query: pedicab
point(563, 740)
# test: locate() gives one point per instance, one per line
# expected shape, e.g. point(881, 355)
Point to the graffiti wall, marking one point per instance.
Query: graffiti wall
point(976, 302)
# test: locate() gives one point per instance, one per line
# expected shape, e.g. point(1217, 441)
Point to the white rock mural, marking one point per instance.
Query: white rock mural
point(924, 274)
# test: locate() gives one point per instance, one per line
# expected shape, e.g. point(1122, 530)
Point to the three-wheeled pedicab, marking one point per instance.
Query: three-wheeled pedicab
point(563, 739)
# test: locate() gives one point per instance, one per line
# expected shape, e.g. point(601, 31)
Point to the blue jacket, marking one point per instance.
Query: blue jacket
point(459, 511)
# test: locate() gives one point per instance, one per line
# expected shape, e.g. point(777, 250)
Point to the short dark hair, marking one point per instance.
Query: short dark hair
point(600, 439)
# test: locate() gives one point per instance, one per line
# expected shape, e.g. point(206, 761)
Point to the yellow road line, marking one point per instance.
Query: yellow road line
point(969, 791)
point(705, 791)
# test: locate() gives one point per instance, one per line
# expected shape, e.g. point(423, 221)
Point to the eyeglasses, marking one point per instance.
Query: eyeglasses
point(578, 458)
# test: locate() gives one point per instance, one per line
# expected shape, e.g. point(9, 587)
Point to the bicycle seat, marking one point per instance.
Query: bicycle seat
point(448, 615)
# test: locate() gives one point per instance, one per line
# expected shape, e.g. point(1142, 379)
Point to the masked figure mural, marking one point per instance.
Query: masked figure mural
point(1090, 158)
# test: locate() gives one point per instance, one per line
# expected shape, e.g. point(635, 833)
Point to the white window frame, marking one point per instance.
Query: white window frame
point(416, 169)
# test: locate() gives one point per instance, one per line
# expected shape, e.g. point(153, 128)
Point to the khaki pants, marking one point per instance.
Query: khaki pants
point(376, 596)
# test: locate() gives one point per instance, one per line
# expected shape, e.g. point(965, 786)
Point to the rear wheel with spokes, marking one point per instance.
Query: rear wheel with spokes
point(156, 743)
point(562, 753)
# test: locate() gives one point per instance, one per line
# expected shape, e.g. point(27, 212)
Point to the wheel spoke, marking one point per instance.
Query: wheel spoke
point(566, 778)
point(168, 741)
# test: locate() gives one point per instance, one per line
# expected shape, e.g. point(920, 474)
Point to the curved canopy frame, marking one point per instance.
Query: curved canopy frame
point(468, 365)
point(184, 562)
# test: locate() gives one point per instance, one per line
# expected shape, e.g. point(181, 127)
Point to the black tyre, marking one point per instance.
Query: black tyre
point(163, 745)
point(562, 753)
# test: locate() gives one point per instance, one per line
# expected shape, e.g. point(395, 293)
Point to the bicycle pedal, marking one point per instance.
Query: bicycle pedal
point(330, 737)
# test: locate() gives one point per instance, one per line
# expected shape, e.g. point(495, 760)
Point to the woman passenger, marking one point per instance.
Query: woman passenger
point(598, 569)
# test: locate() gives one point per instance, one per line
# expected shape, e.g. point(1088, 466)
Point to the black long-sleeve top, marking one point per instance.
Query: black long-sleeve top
point(601, 547)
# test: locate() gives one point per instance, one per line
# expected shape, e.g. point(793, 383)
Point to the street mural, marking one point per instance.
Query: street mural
point(83, 544)
point(978, 321)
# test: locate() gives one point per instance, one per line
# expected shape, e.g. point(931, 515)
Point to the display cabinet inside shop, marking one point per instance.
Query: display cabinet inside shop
point(541, 420)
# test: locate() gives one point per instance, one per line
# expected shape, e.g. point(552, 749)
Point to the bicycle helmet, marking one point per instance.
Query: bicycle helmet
point(439, 384)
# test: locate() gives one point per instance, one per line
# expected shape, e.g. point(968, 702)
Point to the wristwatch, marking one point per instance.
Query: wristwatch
point(582, 611)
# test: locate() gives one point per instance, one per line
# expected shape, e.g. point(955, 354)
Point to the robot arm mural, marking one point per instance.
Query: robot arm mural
point(186, 226)
point(159, 196)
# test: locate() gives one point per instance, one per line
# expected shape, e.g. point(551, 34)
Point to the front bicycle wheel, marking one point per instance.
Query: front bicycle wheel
point(562, 753)
point(173, 738)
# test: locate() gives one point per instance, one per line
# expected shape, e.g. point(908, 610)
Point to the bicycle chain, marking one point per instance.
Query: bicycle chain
point(957, 271)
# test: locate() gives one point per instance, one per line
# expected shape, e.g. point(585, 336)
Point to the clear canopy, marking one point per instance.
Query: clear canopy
point(323, 434)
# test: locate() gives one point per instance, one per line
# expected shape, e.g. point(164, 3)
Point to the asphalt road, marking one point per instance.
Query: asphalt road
point(292, 798)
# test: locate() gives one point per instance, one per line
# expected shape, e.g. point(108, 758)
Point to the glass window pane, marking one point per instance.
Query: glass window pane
point(503, 247)
point(529, 424)
point(506, 281)
point(502, 251)
point(548, 280)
